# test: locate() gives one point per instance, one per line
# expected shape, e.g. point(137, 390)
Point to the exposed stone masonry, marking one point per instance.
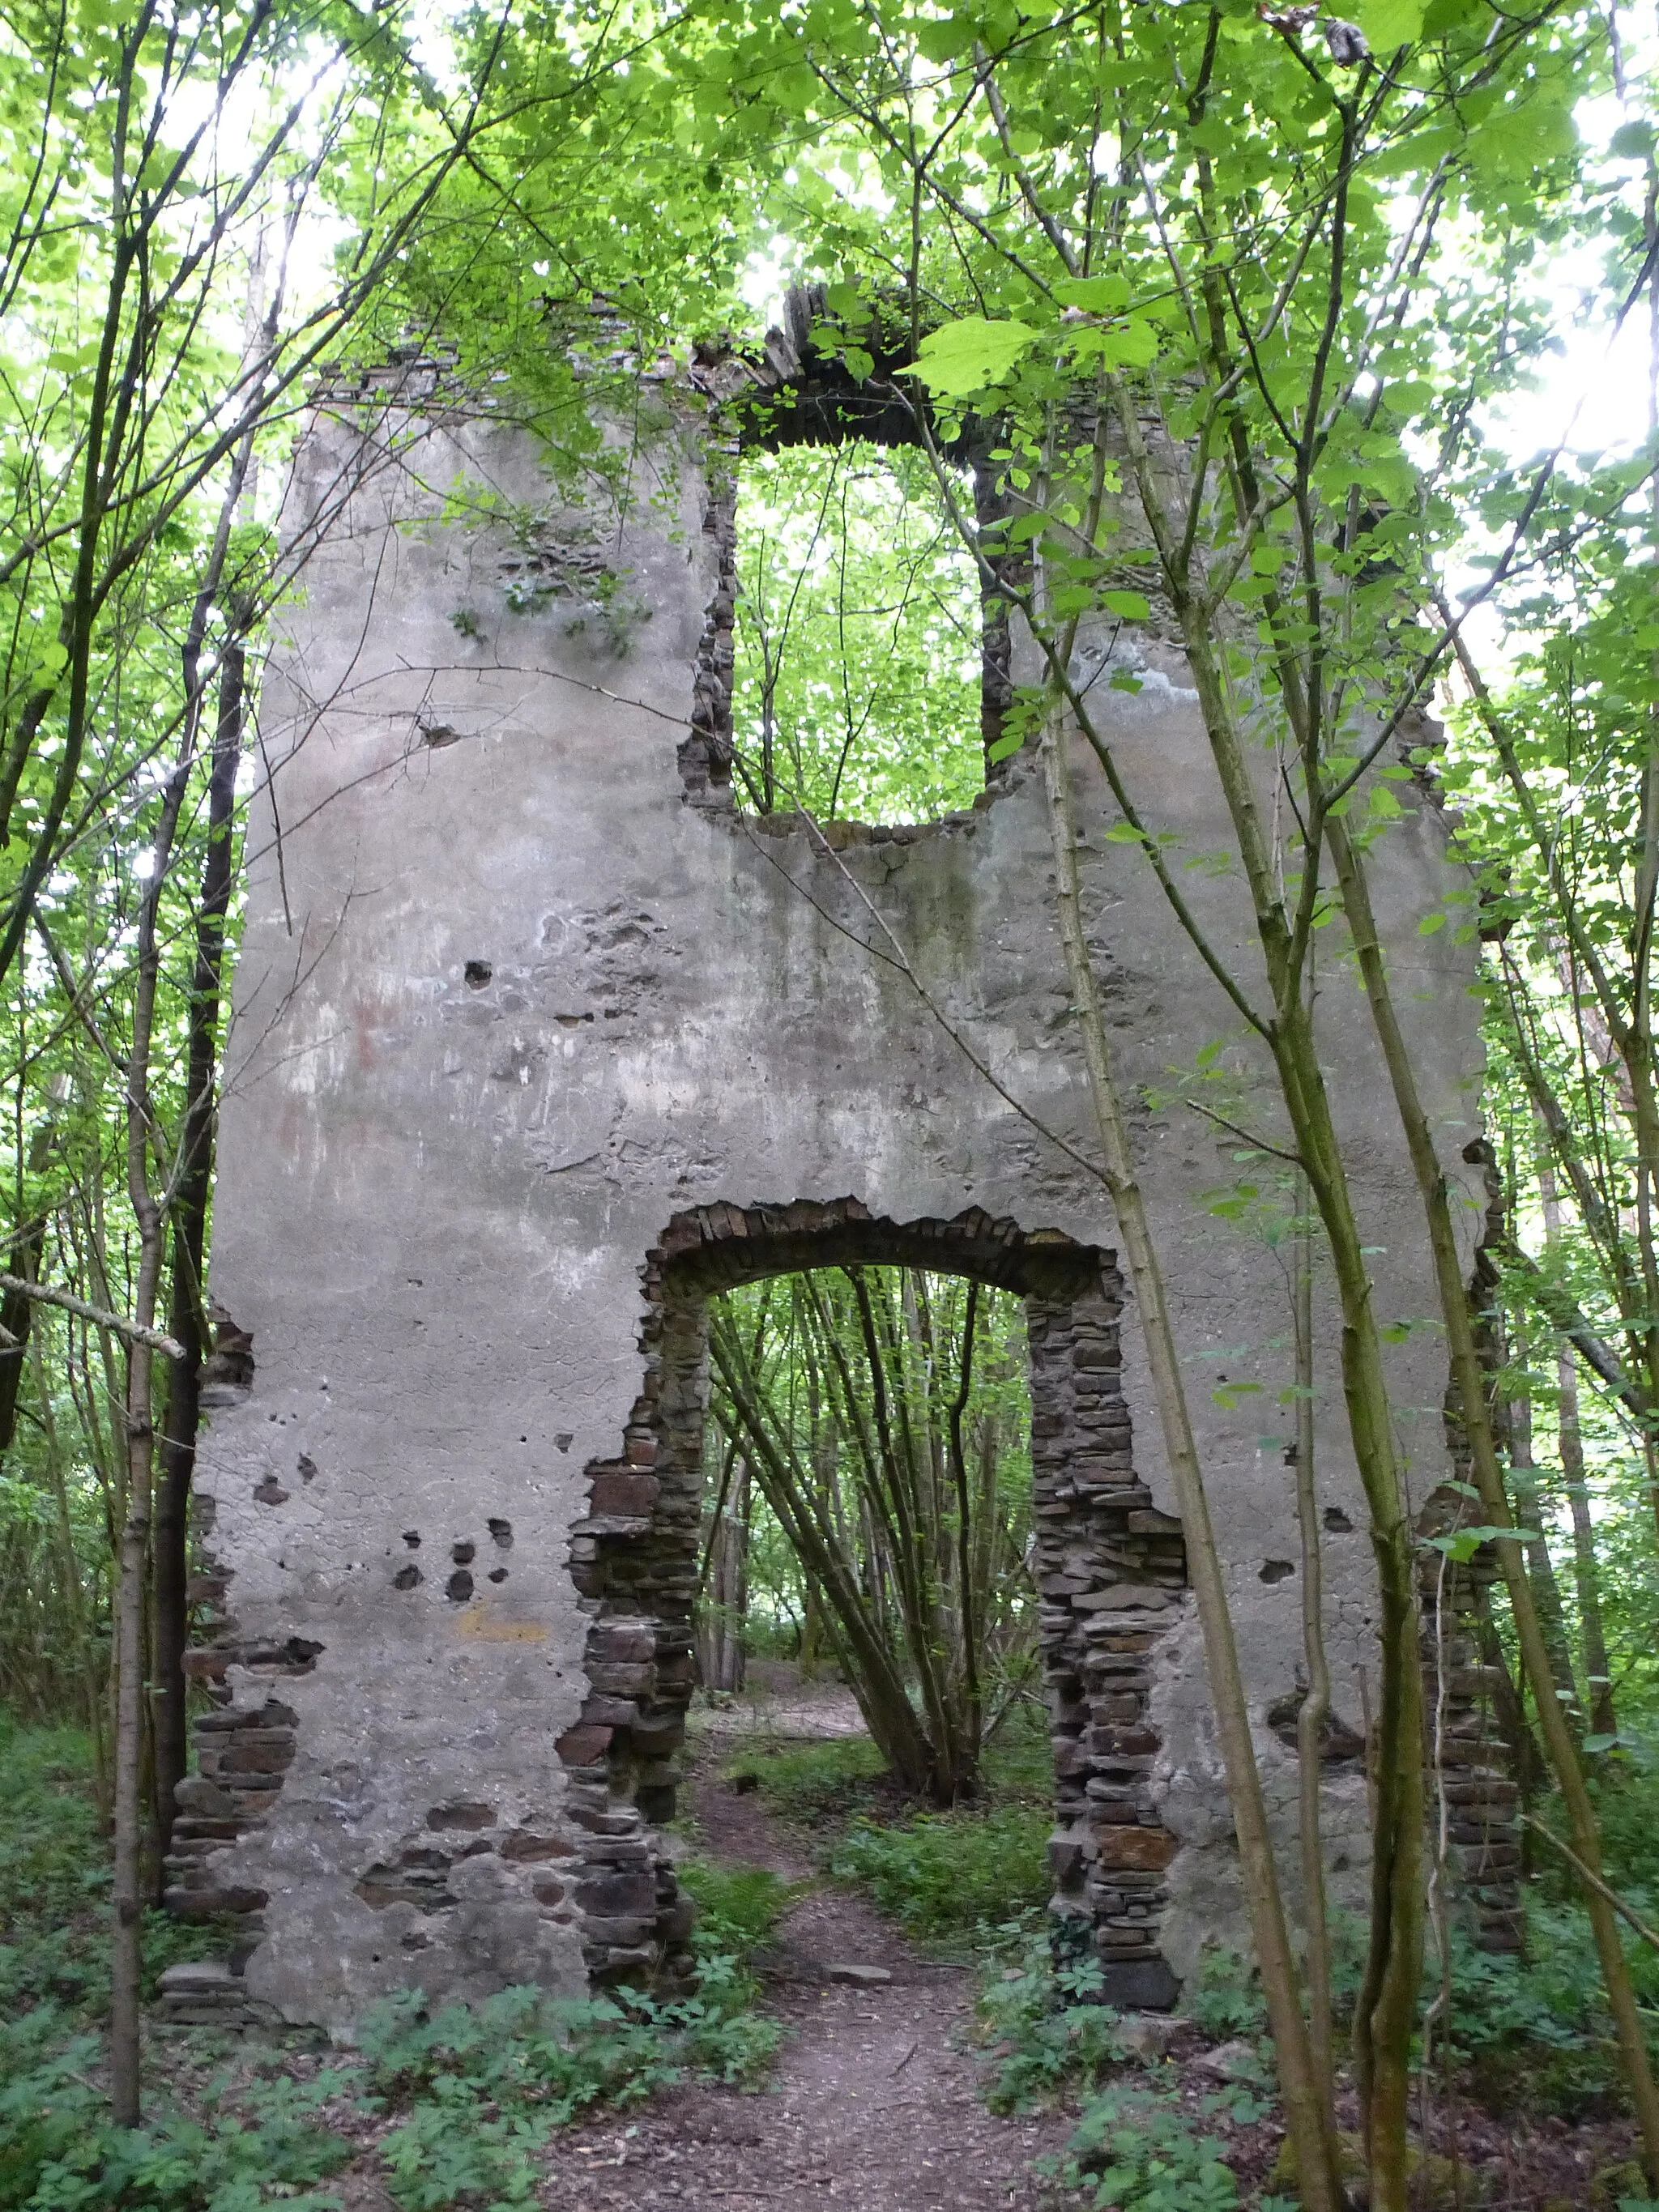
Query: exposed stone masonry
point(243, 1749)
point(1470, 1761)
point(1110, 1570)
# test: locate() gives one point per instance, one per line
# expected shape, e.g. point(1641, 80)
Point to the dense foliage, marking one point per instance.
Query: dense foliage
point(1233, 301)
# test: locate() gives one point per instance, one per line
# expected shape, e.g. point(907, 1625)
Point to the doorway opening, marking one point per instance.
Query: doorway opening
point(868, 1515)
point(1107, 1570)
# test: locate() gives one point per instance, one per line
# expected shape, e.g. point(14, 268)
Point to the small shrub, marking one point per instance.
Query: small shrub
point(950, 1875)
point(743, 1904)
point(1223, 1997)
point(1048, 2032)
point(1142, 2155)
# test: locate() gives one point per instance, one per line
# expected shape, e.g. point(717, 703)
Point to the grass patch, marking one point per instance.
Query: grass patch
point(739, 1906)
point(811, 1782)
point(947, 1877)
point(55, 1878)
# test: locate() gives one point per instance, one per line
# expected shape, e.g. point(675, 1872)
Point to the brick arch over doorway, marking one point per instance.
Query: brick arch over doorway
point(1110, 1570)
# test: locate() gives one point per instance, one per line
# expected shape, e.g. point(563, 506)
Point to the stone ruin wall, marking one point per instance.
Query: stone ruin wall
point(538, 1042)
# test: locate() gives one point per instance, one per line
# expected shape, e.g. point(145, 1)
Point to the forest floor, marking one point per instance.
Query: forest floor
point(917, 2084)
point(874, 2099)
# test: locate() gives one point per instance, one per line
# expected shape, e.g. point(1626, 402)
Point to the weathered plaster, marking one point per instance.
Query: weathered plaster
point(507, 1006)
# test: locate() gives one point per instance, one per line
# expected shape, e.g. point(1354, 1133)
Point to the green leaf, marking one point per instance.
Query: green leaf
point(1131, 606)
point(1391, 23)
point(1096, 296)
point(965, 357)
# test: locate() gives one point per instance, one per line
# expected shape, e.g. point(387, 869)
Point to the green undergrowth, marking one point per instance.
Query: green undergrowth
point(1224, 1996)
point(1048, 2040)
point(1137, 2151)
point(949, 1878)
point(55, 1878)
point(234, 2147)
point(464, 2097)
point(1137, 2148)
point(810, 1783)
point(1046, 2034)
point(1530, 2030)
point(475, 2090)
point(1536, 2030)
point(739, 1905)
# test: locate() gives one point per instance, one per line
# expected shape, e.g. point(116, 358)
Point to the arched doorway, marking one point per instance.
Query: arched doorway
point(1111, 1571)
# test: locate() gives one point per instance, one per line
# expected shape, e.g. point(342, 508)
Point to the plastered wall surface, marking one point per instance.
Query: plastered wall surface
point(509, 1003)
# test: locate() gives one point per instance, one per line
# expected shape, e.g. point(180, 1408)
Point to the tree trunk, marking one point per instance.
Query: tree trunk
point(1530, 1505)
point(1316, 1705)
point(1310, 2122)
point(1470, 1377)
point(721, 1653)
point(1586, 1574)
point(16, 1308)
point(186, 1318)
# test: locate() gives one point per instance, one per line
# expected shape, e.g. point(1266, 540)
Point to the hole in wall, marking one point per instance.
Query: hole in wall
point(412, 1538)
point(462, 1814)
point(463, 1553)
point(840, 554)
point(458, 1587)
point(1276, 1571)
point(857, 652)
point(502, 1531)
point(477, 973)
point(1337, 1522)
point(406, 1578)
point(497, 1574)
point(1100, 1544)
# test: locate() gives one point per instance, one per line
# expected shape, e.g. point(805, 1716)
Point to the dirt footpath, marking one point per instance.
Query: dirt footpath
point(871, 2101)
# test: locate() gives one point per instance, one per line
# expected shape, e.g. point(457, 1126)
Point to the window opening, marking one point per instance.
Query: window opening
point(858, 676)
